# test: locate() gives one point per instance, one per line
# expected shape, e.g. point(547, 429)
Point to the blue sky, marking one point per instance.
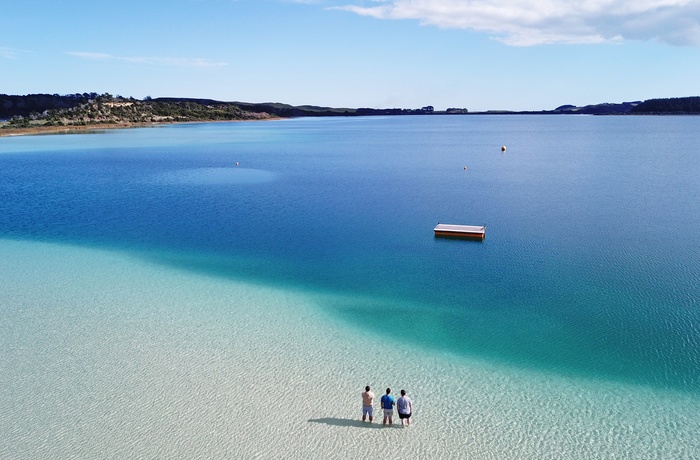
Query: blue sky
point(477, 54)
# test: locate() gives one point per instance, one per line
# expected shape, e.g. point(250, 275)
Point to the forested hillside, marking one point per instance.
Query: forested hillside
point(677, 105)
point(91, 108)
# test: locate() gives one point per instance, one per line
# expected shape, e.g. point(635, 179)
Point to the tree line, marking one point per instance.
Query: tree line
point(676, 105)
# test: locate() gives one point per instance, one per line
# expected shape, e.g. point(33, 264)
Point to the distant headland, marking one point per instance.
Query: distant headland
point(39, 113)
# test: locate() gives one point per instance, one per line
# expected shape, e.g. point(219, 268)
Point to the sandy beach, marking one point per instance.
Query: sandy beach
point(75, 129)
point(110, 355)
point(68, 129)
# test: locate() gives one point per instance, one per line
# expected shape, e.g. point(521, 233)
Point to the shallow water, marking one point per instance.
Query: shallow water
point(105, 355)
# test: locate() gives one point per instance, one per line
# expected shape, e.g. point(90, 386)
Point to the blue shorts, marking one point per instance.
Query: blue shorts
point(367, 410)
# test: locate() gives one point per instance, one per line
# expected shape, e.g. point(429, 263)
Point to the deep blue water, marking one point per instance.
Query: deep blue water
point(590, 266)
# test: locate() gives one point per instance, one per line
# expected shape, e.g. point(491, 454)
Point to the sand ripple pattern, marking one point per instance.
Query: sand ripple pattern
point(106, 356)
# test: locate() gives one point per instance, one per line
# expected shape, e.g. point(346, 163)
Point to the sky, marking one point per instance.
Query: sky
point(474, 54)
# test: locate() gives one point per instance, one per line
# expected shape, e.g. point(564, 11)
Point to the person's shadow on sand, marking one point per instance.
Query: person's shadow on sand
point(349, 422)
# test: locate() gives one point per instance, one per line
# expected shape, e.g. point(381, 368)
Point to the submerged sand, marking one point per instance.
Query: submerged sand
point(107, 355)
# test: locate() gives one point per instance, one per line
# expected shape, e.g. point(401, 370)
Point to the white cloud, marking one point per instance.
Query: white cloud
point(8, 53)
point(88, 55)
point(533, 22)
point(181, 62)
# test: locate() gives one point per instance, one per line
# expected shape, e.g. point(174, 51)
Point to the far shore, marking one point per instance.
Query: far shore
point(68, 129)
point(34, 130)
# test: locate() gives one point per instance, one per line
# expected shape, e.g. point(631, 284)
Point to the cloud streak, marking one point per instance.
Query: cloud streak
point(8, 53)
point(166, 61)
point(536, 22)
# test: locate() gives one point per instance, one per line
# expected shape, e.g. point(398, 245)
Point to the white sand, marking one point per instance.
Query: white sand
point(108, 356)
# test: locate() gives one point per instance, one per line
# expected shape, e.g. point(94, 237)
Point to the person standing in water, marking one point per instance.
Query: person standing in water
point(405, 408)
point(388, 406)
point(367, 404)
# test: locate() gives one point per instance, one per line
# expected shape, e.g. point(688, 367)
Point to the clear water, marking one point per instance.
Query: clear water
point(590, 268)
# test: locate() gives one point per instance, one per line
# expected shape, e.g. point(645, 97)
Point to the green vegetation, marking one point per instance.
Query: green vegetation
point(678, 106)
point(92, 109)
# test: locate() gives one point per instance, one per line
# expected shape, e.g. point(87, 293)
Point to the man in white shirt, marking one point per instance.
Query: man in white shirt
point(405, 407)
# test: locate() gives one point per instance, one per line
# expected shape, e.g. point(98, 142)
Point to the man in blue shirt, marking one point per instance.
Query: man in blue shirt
point(388, 406)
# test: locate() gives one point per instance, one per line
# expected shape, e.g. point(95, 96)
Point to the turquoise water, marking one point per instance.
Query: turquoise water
point(590, 267)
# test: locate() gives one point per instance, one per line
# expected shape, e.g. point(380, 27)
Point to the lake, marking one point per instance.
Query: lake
point(589, 272)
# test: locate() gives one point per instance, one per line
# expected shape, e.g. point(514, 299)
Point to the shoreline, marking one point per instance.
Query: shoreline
point(79, 129)
point(39, 130)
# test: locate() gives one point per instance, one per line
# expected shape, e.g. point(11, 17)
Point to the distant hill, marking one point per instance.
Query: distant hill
point(92, 109)
point(668, 106)
point(89, 109)
point(676, 106)
point(289, 111)
point(624, 108)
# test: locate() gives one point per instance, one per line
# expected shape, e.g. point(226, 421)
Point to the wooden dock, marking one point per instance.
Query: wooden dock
point(461, 231)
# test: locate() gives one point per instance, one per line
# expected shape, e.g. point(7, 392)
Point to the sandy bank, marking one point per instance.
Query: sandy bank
point(34, 130)
point(74, 129)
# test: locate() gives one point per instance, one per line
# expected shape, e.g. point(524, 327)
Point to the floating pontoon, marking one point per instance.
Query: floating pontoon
point(461, 231)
